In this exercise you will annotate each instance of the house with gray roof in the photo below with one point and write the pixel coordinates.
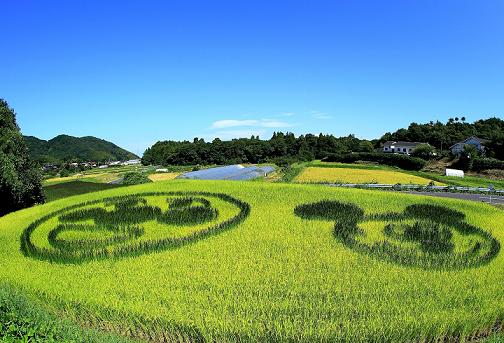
(401, 147)
(458, 148)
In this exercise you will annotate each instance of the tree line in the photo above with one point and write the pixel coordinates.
(283, 148)
(442, 136)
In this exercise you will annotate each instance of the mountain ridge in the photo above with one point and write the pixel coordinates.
(66, 148)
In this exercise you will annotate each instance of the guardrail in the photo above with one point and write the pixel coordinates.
(425, 188)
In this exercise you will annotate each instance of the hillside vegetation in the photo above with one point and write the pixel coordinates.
(64, 148)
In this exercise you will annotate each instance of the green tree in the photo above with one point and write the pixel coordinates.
(424, 151)
(135, 178)
(365, 146)
(495, 148)
(467, 157)
(20, 184)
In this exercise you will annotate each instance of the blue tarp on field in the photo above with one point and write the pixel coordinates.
(233, 172)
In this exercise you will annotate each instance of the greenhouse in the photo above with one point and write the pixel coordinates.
(232, 172)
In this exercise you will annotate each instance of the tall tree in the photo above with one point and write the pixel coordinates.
(20, 184)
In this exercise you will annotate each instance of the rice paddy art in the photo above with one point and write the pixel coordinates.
(423, 235)
(115, 227)
(230, 261)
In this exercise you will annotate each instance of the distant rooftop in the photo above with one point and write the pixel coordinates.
(402, 143)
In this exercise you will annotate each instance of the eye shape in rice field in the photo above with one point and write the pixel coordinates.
(130, 225)
(426, 236)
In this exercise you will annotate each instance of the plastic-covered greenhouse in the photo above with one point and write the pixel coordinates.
(233, 172)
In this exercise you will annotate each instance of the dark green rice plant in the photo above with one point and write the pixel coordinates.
(120, 235)
(190, 208)
(188, 211)
(431, 232)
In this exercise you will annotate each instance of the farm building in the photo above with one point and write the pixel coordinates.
(401, 147)
(132, 162)
(232, 172)
(457, 148)
(454, 172)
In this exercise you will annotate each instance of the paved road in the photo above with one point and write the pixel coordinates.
(464, 196)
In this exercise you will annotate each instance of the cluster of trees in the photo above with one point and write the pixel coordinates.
(282, 148)
(472, 159)
(135, 178)
(442, 136)
(20, 180)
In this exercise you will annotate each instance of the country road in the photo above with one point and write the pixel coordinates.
(464, 196)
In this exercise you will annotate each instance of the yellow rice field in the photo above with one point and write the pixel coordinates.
(99, 178)
(350, 175)
(163, 176)
(63, 179)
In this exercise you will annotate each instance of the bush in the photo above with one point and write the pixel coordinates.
(467, 157)
(425, 151)
(135, 178)
(395, 160)
(487, 163)
(64, 172)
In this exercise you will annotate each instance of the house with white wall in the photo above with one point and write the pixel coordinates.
(401, 147)
(458, 148)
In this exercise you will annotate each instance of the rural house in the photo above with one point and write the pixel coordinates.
(401, 147)
(457, 148)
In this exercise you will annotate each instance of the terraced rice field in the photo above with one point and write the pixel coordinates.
(357, 175)
(240, 261)
(163, 176)
(65, 189)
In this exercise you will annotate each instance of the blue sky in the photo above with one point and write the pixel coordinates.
(135, 72)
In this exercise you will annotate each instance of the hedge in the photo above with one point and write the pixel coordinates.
(487, 163)
(395, 160)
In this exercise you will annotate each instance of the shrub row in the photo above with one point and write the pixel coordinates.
(487, 163)
(395, 160)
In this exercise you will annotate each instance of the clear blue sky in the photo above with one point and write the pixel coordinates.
(135, 72)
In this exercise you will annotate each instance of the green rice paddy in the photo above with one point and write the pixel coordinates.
(234, 261)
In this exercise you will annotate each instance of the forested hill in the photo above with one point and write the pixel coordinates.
(64, 148)
(445, 135)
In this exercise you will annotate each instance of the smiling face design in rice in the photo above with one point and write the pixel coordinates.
(426, 236)
(130, 225)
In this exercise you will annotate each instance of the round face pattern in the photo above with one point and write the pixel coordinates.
(423, 235)
(130, 225)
